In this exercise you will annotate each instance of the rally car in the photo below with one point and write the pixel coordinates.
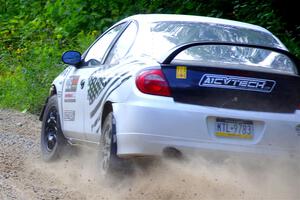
(154, 84)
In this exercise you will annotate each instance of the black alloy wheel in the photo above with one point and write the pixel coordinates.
(52, 138)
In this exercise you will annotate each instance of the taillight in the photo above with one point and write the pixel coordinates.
(153, 82)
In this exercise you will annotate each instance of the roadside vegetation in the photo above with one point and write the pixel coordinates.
(34, 34)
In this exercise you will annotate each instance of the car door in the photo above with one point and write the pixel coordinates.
(76, 87)
(102, 81)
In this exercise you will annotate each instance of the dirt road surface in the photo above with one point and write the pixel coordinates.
(23, 174)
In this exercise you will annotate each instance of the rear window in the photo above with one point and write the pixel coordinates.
(237, 57)
(169, 34)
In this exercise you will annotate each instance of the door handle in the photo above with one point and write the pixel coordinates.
(82, 82)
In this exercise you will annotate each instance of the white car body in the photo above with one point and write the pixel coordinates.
(149, 124)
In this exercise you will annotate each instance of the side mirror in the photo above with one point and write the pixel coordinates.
(71, 57)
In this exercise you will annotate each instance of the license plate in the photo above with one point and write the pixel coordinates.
(233, 128)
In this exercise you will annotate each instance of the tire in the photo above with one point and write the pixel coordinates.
(52, 138)
(109, 162)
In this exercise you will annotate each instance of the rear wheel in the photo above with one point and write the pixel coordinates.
(109, 161)
(52, 138)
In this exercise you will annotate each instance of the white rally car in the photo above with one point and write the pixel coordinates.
(153, 84)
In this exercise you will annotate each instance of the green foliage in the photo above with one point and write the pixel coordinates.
(34, 34)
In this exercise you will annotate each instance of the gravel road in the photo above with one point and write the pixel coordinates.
(23, 175)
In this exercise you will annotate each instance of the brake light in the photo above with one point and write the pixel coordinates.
(153, 82)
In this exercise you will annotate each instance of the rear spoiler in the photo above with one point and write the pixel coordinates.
(176, 50)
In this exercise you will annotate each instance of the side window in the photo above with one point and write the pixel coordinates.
(97, 51)
(123, 45)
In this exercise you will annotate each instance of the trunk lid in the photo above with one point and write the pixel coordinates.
(233, 88)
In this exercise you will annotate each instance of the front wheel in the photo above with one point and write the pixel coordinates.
(109, 161)
(52, 138)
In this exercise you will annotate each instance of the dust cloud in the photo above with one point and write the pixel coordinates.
(205, 176)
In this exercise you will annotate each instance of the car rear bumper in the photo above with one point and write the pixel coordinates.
(136, 144)
(149, 126)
